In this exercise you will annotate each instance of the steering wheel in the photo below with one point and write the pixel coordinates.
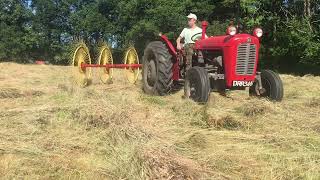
(196, 37)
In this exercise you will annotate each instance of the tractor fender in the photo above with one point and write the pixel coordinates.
(173, 52)
(170, 46)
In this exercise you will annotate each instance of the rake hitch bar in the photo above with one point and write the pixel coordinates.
(109, 66)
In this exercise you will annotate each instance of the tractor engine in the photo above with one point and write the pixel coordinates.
(234, 59)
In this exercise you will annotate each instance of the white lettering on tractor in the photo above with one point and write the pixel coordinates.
(242, 83)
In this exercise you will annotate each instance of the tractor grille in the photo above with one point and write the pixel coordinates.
(246, 59)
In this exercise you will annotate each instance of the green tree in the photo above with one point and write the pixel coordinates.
(16, 36)
(95, 20)
(46, 28)
(51, 24)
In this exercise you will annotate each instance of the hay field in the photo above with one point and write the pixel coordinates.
(50, 129)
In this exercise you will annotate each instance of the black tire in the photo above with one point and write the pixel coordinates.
(272, 84)
(197, 85)
(157, 69)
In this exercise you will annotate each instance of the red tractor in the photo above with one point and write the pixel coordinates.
(220, 63)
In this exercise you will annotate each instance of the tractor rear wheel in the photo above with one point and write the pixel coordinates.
(271, 84)
(197, 85)
(157, 69)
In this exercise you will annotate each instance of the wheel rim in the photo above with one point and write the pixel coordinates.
(193, 89)
(267, 86)
(105, 57)
(190, 89)
(151, 73)
(131, 57)
(81, 56)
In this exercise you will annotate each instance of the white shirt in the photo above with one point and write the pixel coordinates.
(187, 34)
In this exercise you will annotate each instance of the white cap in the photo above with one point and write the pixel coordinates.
(192, 16)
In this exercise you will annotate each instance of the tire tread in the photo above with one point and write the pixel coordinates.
(164, 68)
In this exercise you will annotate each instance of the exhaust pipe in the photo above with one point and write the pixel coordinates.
(204, 29)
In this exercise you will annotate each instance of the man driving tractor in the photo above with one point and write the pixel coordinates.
(187, 34)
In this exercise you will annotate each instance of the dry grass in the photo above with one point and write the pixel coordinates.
(51, 129)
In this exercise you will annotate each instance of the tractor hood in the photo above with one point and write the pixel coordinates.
(220, 42)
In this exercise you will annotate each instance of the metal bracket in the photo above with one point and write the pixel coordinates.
(259, 88)
(216, 76)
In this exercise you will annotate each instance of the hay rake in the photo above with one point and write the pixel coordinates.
(82, 64)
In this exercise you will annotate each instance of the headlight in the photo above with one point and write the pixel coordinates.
(258, 32)
(232, 30)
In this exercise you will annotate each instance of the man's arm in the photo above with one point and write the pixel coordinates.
(179, 46)
(179, 43)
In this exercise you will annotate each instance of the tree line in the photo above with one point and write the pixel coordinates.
(44, 29)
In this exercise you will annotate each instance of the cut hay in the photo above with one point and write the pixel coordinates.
(52, 129)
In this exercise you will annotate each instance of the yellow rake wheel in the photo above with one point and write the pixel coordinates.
(105, 57)
(131, 57)
(82, 77)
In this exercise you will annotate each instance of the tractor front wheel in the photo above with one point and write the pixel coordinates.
(157, 69)
(197, 85)
(272, 86)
